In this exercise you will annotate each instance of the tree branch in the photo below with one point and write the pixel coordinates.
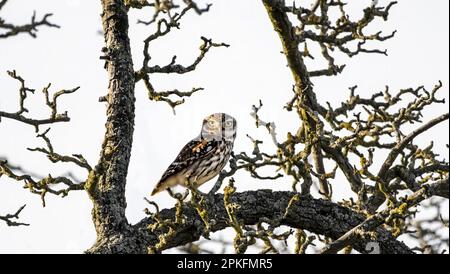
(440, 188)
(401, 145)
(31, 28)
(55, 117)
(8, 218)
(164, 26)
(54, 157)
(379, 197)
(41, 186)
(315, 215)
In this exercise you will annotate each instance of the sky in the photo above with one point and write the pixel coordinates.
(234, 79)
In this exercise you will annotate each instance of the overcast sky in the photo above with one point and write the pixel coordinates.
(234, 79)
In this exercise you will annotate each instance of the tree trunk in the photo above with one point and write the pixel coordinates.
(106, 184)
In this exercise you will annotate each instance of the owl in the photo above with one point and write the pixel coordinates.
(203, 157)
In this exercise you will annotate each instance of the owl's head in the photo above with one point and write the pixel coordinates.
(219, 126)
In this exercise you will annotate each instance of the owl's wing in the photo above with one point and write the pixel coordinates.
(195, 150)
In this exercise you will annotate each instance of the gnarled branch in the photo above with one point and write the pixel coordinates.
(55, 117)
(315, 215)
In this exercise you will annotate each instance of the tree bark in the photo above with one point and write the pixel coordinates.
(316, 215)
(106, 184)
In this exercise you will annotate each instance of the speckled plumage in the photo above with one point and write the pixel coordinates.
(204, 157)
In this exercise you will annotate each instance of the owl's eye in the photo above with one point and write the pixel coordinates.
(229, 123)
(211, 123)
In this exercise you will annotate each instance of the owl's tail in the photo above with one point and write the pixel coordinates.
(158, 188)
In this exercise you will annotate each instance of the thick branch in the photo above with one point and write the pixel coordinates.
(315, 215)
(285, 31)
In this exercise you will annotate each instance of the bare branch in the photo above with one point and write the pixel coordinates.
(41, 186)
(163, 26)
(401, 145)
(379, 197)
(55, 117)
(9, 30)
(165, 95)
(54, 157)
(180, 69)
(8, 218)
(440, 188)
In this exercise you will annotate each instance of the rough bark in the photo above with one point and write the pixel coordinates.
(106, 184)
(316, 215)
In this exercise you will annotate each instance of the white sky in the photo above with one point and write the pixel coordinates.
(234, 79)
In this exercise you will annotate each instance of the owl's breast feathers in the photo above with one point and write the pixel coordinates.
(193, 151)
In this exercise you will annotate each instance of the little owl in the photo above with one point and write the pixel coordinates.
(204, 157)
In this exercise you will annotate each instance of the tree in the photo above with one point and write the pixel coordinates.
(325, 140)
